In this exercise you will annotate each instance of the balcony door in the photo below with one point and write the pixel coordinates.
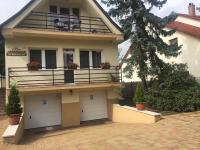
(68, 59)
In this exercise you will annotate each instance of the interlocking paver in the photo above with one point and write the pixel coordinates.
(176, 132)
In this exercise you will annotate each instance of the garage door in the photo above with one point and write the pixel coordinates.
(42, 110)
(93, 105)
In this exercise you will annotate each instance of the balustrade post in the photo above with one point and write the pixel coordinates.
(89, 74)
(53, 75)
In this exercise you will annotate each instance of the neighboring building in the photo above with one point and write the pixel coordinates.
(56, 33)
(188, 35)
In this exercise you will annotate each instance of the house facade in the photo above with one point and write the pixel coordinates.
(55, 35)
(188, 35)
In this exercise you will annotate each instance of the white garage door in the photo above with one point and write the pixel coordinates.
(93, 105)
(42, 110)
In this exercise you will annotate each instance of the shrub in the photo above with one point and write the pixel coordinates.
(139, 94)
(174, 90)
(13, 106)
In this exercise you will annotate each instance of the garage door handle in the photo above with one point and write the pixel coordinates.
(82, 110)
(30, 117)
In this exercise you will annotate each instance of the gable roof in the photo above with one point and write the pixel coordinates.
(185, 28)
(107, 15)
(32, 1)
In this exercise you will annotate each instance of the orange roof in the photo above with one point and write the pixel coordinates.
(179, 26)
(189, 16)
(185, 28)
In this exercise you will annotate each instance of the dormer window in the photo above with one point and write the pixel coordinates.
(53, 9)
(76, 12)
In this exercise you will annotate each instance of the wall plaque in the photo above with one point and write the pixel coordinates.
(16, 52)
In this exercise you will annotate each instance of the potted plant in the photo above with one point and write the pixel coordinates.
(139, 98)
(13, 107)
(33, 66)
(113, 78)
(105, 65)
(72, 66)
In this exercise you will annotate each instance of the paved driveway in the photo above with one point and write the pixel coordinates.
(180, 131)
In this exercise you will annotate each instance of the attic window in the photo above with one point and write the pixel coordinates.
(53, 9)
(173, 41)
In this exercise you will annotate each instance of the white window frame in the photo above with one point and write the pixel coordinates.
(90, 56)
(43, 58)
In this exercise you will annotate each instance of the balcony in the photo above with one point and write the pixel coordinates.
(64, 23)
(61, 77)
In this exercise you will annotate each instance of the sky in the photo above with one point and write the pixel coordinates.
(10, 7)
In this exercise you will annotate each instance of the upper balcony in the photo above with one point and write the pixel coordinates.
(64, 23)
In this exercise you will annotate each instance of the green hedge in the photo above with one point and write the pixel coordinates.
(175, 90)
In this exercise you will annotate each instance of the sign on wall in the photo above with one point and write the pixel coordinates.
(16, 52)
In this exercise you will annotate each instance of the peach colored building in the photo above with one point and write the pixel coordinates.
(55, 34)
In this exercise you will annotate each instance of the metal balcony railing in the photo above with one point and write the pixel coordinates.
(61, 76)
(64, 23)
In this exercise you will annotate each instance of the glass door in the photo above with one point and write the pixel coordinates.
(68, 59)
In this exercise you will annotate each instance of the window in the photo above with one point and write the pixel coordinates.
(90, 58)
(53, 9)
(64, 11)
(36, 55)
(84, 59)
(76, 12)
(50, 59)
(173, 42)
(47, 58)
(96, 59)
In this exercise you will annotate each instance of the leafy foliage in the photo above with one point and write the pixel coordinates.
(139, 94)
(174, 90)
(13, 106)
(145, 31)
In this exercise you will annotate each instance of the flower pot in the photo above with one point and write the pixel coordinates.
(140, 105)
(33, 68)
(71, 66)
(14, 119)
(105, 65)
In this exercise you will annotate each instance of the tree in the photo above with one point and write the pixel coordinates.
(145, 31)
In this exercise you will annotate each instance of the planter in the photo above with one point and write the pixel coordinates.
(33, 68)
(114, 79)
(105, 65)
(140, 105)
(71, 66)
(14, 119)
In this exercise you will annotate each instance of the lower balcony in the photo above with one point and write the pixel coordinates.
(62, 78)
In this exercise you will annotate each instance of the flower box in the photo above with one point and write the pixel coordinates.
(33, 66)
(72, 66)
(105, 65)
